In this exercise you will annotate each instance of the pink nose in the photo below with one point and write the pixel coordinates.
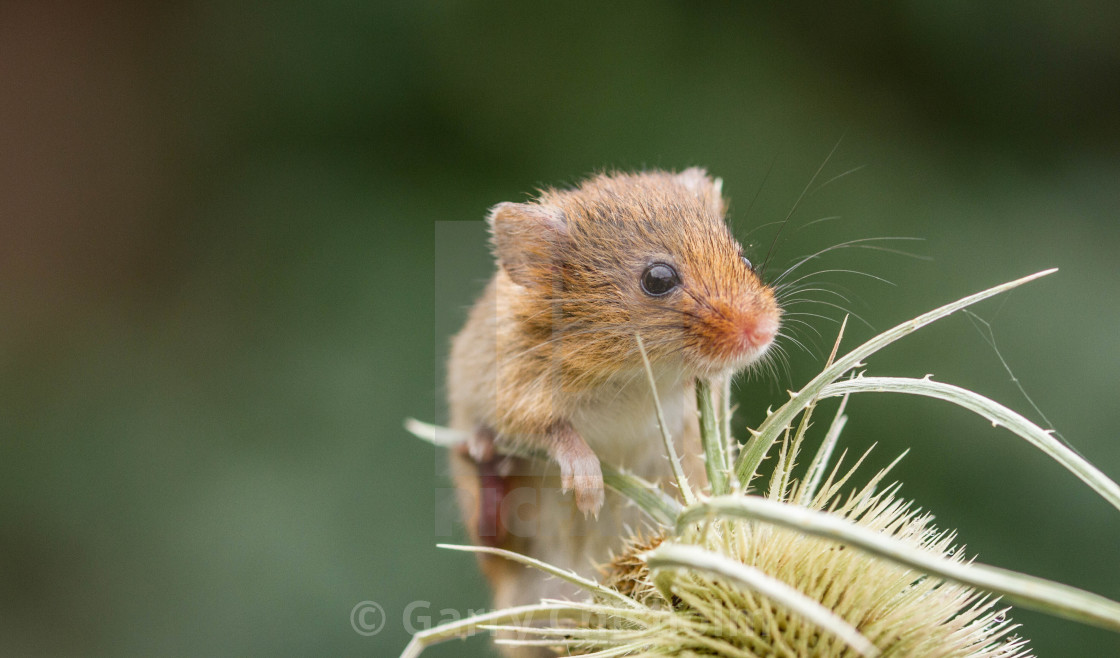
(760, 332)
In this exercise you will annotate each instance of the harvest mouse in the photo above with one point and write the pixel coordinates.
(548, 360)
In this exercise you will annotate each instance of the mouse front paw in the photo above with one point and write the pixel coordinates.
(585, 478)
(580, 471)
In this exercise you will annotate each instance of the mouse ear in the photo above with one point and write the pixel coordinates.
(710, 191)
(527, 239)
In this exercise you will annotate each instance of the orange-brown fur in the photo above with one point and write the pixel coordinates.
(548, 358)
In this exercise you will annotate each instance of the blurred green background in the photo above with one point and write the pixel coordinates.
(235, 239)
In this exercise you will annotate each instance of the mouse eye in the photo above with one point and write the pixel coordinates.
(659, 279)
(748, 264)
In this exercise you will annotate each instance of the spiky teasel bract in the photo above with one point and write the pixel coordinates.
(627, 572)
(903, 613)
(806, 570)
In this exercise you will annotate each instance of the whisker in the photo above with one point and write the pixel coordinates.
(768, 367)
(757, 192)
(842, 271)
(775, 362)
(837, 177)
(857, 243)
(797, 343)
(899, 252)
(844, 292)
(770, 252)
(762, 226)
(763, 368)
(811, 315)
(807, 325)
(801, 335)
(818, 221)
(836, 306)
(784, 290)
(802, 290)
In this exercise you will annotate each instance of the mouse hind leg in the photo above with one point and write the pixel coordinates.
(499, 497)
(484, 479)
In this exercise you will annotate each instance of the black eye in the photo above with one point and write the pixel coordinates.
(659, 279)
(748, 264)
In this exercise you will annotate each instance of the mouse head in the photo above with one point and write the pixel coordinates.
(645, 253)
